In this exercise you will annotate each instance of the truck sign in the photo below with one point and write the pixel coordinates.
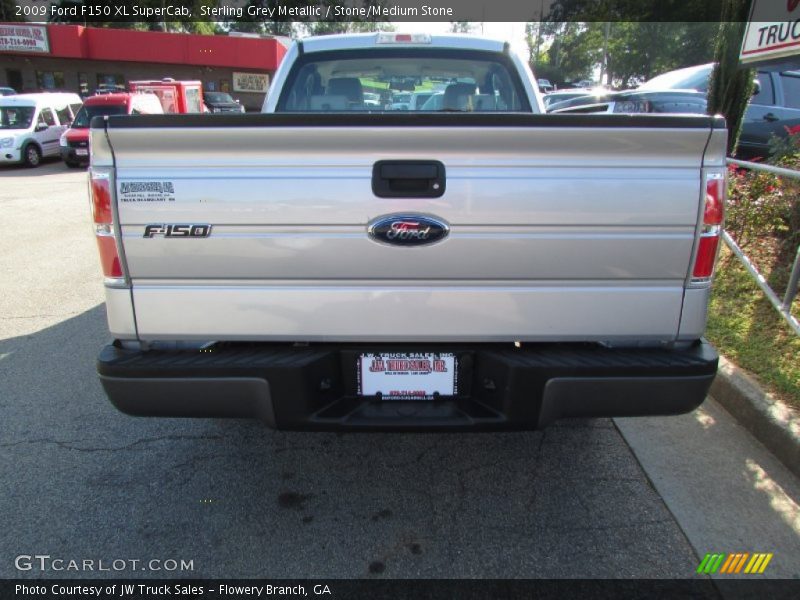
(24, 38)
(773, 31)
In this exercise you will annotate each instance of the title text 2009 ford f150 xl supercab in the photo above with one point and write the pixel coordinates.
(473, 264)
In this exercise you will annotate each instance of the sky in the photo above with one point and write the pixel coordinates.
(513, 32)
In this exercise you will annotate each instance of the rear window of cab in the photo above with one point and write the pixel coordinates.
(385, 80)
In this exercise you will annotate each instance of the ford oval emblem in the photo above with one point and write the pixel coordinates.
(408, 230)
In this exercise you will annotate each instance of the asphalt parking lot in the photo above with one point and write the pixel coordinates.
(84, 482)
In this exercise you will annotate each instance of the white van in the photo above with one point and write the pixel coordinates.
(31, 125)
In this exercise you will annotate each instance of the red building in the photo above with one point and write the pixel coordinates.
(83, 59)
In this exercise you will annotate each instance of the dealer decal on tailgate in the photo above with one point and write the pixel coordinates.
(147, 191)
(407, 376)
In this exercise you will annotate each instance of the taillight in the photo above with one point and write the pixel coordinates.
(706, 256)
(101, 199)
(103, 216)
(109, 258)
(714, 211)
(713, 216)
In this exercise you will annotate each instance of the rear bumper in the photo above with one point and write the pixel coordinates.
(499, 386)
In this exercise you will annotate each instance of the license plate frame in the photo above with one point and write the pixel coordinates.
(392, 376)
(81, 152)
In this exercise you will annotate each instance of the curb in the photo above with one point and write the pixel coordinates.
(769, 420)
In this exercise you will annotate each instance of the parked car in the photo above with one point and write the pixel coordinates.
(222, 102)
(634, 101)
(7, 91)
(545, 86)
(418, 100)
(108, 88)
(31, 125)
(175, 96)
(435, 102)
(566, 94)
(689, 78)
(401, 101)
(74, 142)
(774, 107)
(372, 100)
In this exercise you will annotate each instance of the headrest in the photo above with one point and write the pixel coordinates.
(346, 86)
(454, 94)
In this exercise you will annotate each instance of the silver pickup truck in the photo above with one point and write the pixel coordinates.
(473, 264)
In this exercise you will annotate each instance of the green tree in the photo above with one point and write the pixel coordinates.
(696, 45)
(533, 39)
(641, 38)
(572, 51)
(653, 11)
(580, 50)
(634, 51)
(279, 26)
(637, 51)
(8, 11)
(357, 26)
(730, 87)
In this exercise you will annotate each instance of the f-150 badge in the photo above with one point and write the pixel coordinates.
(183, 230)
(408, 230)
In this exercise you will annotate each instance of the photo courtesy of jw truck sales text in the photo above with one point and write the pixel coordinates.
(143, 590)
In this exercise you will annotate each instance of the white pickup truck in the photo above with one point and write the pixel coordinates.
(332, 264)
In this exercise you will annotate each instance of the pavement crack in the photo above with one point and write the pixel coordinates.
(39, 441)
(165, 438)
(69, 444)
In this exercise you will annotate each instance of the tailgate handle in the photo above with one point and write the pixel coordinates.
(408, 179)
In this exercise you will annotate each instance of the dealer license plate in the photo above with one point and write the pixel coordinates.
(81, 152)
(407, 376)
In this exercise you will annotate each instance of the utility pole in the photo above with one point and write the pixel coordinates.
(604, 66)
(539, 32)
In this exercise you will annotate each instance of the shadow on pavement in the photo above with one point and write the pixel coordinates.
(48, 166)
(240, 500)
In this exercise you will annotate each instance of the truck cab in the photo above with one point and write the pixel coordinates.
(175, 96)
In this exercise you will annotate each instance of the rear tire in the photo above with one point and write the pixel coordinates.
(31, 156)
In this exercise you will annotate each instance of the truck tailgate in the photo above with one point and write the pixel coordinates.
(561, 227)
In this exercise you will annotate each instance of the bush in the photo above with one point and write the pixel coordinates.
(765, 208)
(763, 216)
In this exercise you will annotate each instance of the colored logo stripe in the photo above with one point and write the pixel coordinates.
(731, 564)
(758, 563)
(710, 563)
(740, 563)
(731, 559)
